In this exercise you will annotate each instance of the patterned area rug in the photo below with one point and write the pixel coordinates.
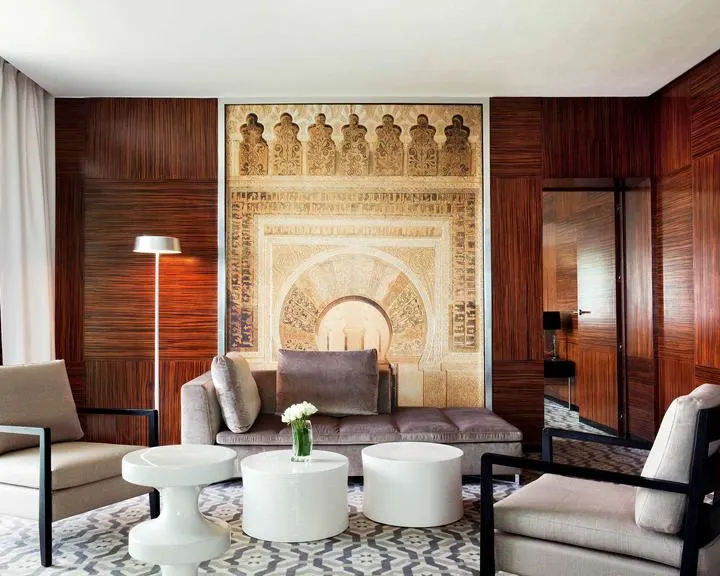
(96, 542)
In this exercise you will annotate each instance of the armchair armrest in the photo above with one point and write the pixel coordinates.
(45, 482)
(150, 413)
(550, 433)
(487, 518)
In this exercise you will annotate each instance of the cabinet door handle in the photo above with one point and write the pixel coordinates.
(580, 312)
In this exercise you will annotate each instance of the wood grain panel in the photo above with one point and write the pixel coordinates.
(70, 136)
(119, 284)
(597, 137)
(595, 224)
(516, 206)
(596, 370)
(676, 377)
(118, 383)
(69, 263)
(575, 137)
(630, 137)
(675, 286)
(671, 107)
(516, 137)
(706, 196)
(705, 107)
(152, 139)
(128, 383)
(127, 167)
(518, 396)
(173, 374)
(642, 406)
(596, 385)
(706, 374)
(638, 271)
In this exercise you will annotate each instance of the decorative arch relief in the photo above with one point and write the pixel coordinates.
(355, 226)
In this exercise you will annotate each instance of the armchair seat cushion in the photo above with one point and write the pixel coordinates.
(594, 515)
(73, 464)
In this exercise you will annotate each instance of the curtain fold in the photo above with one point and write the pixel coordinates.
(27, 219)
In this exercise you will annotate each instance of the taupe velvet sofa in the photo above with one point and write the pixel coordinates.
(473, 430)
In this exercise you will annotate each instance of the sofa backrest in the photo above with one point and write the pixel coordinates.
(266, 381)
(201, 418)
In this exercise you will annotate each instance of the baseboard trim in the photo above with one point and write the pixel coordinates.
(603, 427)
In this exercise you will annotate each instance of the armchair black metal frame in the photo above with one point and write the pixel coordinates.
(702, 521)
(45, 485)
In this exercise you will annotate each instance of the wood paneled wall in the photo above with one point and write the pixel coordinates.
(532, 139)
(127, 167)
(686, 212)
(642, 408)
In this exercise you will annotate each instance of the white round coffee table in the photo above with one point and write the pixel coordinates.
(412, 484)
(286, 501)
(181, 537)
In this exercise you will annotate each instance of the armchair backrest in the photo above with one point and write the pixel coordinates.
(672, 458)
(37, 395)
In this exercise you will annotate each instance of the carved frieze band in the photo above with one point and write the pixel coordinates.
(352, 155)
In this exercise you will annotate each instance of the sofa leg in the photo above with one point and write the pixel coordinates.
(154, 504)
(45, 525)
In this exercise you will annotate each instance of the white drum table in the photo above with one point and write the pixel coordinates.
(412, 484)
(181, 537)
(286, 501)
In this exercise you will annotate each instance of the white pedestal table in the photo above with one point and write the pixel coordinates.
(181, 537)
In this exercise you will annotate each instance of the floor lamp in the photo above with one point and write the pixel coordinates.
(157, 245)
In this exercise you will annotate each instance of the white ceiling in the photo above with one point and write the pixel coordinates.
(365, 49)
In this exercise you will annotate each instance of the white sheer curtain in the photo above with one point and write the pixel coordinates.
(27, 219)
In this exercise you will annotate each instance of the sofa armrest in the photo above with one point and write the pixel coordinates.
(200, 417)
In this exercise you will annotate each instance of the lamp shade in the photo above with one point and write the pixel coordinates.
(551, 321)
(157, 245)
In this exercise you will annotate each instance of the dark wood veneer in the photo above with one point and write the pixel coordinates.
(127, 167)
(706, 199)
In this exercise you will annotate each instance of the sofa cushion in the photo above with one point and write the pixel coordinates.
(72, 464)
(237, 391)
(337, 383)
(595, 515)
(481, 424)
(37, 395)
(670, 458)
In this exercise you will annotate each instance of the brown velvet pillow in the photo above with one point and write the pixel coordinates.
(337, 383)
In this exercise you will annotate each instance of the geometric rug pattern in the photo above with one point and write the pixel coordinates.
(95, 543)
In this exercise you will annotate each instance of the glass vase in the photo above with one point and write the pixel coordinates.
(302, 441)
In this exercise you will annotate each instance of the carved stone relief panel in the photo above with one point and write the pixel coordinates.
(373, 203)
(253, 152)
(389, 154)
(287, 149)
(320, 149)
(455, 156)
(354, 151)
(423, 150)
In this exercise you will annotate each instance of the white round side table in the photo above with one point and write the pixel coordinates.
(412, 484)
(181, 537)
(286, 501)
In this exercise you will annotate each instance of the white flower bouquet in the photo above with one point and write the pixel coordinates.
(297, 417)
(298, 412)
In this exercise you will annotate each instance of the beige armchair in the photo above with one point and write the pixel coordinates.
(589, 522)
(46, 473)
